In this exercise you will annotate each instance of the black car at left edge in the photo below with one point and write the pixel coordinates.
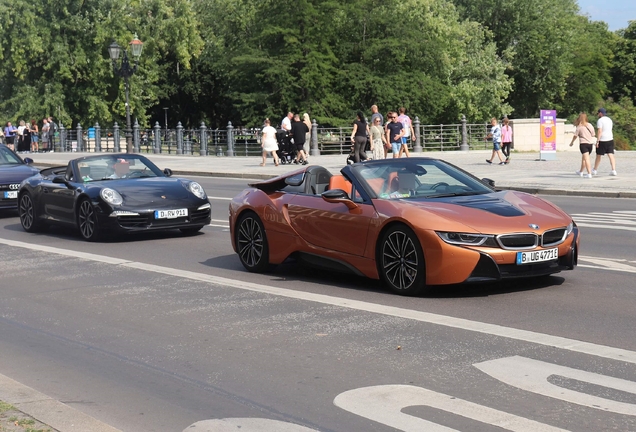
(112, 193)
(13, 170)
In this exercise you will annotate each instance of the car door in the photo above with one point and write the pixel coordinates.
(59, 198)
(331, 226)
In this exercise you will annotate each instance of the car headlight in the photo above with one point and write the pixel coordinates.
(466, 239)
(196, 189)
(111, 196)
(569, 229)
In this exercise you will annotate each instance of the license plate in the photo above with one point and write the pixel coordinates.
(537, 256)
(170, 214)
(11, 194)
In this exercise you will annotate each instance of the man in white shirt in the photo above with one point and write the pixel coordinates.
(605, 141)
(286, 123)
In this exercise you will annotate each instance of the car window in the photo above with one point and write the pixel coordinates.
(404, 178)
(116, 167)
(7, 157)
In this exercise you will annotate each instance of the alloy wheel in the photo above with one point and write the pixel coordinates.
(86, 220)
(400, 260)
(27, 215)
(250, 241)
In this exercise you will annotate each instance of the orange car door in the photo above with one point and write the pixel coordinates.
(331, 225)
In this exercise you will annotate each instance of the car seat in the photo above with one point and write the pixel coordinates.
(339, 182)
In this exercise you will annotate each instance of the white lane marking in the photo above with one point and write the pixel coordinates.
(443, 320)
(384, 404)
(620, 265)
(219, 226)
(612, 227)
(220, 198)
(532, 375)
(246, 425)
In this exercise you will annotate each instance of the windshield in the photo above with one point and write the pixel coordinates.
(116, 167)
(418, 178)
(7, 157)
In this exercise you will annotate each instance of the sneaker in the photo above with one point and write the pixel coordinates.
(507, 161)
(587, 175)
(594, 172)
(578, 173)
(502, 163)
(489, 161)
(613, 173)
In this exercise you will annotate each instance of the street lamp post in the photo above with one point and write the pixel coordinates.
(165, 110)
(125, 70)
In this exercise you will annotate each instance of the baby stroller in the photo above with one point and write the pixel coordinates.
(286, 151)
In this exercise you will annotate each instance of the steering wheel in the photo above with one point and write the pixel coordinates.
(438, 184)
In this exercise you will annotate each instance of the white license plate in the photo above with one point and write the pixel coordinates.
(170, 214)
(11, 194)
(537, 256)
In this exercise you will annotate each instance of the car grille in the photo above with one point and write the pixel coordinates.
(520, 241)
(133, 221)
(200, 215)
(553, 237)
(12, 186)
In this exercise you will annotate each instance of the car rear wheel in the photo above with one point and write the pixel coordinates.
(28, 215)
(401, 261)
(251, 243)
(87, 221)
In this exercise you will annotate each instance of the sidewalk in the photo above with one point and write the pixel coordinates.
(525, 172)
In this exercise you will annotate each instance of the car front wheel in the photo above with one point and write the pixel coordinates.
(251, 242)
(28, 215)
(401, 261)
(87, 221)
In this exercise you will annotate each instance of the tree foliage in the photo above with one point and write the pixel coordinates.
(243, 60)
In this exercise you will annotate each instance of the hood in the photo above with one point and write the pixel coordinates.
(16, 173)
(508, 211)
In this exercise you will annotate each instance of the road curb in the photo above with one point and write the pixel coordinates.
(49, 411)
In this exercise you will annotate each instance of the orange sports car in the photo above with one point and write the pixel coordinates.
(412, 222)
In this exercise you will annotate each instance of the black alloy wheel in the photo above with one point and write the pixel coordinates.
(251, 243)
(87, 221)
(401, 261)
(28, 216)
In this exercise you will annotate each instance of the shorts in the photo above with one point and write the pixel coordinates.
(405, 140)
(395, 147)
(605, 147)
(34, 139)
(300, 146)
(496, 146)
(586, 148)
(10, 139)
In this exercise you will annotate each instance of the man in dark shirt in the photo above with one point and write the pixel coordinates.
(298, 131)
(394, 133)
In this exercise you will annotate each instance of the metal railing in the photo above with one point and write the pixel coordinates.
(247, 141)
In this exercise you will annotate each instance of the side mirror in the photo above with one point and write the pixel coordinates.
(167, 172)
(59, 179)
(336, 196)
(28, 161)
(488, 182)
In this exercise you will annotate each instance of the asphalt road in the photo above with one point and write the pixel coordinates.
(163, 332)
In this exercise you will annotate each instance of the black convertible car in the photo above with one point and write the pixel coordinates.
(13, 169)
(112, 193)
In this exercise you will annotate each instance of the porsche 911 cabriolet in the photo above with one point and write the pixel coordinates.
(13, 169)
(115, 193)
(412, 222)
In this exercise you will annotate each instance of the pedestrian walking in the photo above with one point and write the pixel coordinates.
(359, 136)
(52, 133)
(585, 133)
(269, 143)
(376, 114)
(286, 123)
(298, 133)
(378, 139)
(605, 143)
(495, 134)
(394, 133)
(506, 139)
(409, 132)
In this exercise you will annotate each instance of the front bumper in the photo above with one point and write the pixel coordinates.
(139, 221)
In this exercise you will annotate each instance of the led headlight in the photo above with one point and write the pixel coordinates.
(464, 239)
(111, 196)
(569, 229)
(196, 189)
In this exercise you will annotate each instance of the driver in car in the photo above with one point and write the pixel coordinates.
(120, 168)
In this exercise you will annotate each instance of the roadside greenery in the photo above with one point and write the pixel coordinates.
(241, 60)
